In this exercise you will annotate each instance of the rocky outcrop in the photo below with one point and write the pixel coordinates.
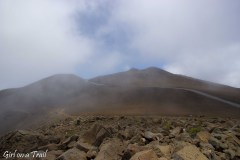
(23, 141)
(132, 138)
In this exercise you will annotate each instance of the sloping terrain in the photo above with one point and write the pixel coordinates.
(129, 138)
(29, 105)
(141, 92)
(155, 77)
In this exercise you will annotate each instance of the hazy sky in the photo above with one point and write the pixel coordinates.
(39, 38)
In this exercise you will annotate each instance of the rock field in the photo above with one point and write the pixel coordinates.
(130, 138)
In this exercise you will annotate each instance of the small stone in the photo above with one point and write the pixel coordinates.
(206, 145)
(127, 134)
(92, 153)
(151, 136)
(230, 152)
(163, 132)
(148, 135)
(132, 149)
(214, 142)
(185, 137)
(157, 120)
(203, 136)
(235, 138)
(223, 145)
(78, 121)
(143, 140)
(221, 155)
(208, 153)
(54, 139)
(72, 144)
(176, 131)
(165, 150)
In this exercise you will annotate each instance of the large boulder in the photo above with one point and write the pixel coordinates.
(111, 149)
(190, 152)
(66, 142)
(166, 150)
(133, 149)
(96, 135)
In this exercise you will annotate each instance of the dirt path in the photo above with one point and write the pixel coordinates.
(212, 97)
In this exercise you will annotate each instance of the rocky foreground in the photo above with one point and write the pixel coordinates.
(128, 138)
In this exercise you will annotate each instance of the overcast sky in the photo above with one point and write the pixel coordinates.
(39, 38)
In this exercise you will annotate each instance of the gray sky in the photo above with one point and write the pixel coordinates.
(90, 38)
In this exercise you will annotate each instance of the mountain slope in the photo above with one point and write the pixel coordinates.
(148, 91)
(33, 102)
(155, 77)
(151, 100)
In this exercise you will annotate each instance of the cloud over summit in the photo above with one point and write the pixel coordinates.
(88, 38)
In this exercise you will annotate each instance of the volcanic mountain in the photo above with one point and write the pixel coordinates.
(138, 92)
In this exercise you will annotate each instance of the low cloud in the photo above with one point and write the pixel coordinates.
(89, 38)
(41, 38)
(199, 39)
